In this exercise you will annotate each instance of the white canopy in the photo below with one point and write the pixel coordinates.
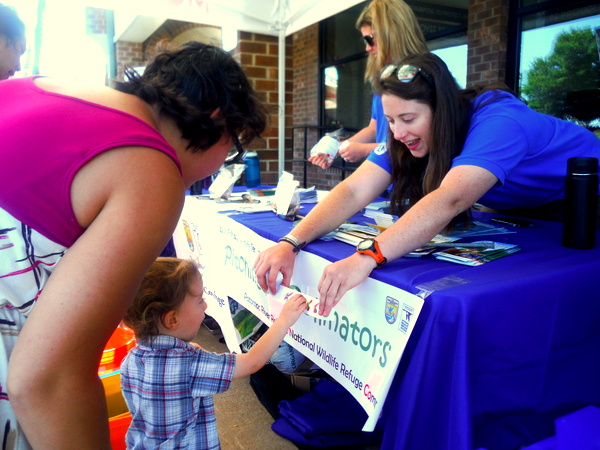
(258, 16)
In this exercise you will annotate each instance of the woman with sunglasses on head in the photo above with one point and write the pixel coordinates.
(92, 183)
(390, 31)
(447, 149)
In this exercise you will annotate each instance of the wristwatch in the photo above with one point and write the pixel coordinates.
(371, 247)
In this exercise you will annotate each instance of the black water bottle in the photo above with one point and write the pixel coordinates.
(581, 203)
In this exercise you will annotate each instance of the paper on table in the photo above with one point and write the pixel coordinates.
(284, 192)
(476, 257)
(222, 186)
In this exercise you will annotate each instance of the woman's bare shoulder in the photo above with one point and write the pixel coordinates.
(98, 94)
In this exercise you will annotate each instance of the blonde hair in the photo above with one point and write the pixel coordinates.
(397, 32)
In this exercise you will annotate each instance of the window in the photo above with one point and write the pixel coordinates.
(346, 97)
(445, 27)
(557, 58)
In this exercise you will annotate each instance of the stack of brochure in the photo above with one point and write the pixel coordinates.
(381, 207)
(463, 254)
(352, 233)
(469, 253)
(308, 195)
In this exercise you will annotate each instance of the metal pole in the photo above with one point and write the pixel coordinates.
(281, 28)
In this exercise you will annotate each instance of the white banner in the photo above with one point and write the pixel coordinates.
(361, 342)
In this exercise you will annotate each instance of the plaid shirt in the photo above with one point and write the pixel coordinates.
(169, 385)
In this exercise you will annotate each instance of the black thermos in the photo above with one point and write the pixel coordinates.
(581, 203)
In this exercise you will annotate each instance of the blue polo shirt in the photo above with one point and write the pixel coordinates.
(526, 150)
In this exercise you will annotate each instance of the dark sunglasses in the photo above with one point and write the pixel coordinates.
(405, 73)
(237, 151)
(369, 39)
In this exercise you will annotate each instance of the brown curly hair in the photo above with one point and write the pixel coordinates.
(191, 82)
(163, 289)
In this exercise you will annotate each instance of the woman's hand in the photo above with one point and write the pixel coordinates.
(271, 261)
(355, 151)
(321, 160)
(341, 276)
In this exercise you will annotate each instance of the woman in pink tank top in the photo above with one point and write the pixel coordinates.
(92, 183)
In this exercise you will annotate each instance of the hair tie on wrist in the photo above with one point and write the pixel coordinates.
(293, 241)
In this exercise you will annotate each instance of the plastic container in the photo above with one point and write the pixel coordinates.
(118, 427)
(252, 170)
(117, 347)
(581, 203)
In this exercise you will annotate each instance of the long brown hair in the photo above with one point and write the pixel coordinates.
(416, 177)
(397, 32)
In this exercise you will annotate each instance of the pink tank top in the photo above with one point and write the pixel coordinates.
(45, 138)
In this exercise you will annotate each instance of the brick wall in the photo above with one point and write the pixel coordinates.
(486, 39)
(306, 109)
(128, 54)
(259, 55)
(96, 28)
(95, 20)
(166, 33)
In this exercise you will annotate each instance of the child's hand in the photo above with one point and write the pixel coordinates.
(293, 309)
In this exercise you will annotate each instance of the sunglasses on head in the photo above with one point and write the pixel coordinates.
(369, 39)
(405, 73)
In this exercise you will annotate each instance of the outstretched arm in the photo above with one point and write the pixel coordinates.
(359, 147)
(461, 187)
(347, 198)
(361, 143)
(53, 379)
(259, 353)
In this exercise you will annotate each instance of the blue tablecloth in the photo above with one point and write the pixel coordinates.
(492, 362)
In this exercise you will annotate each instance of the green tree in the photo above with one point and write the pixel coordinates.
(572, 66)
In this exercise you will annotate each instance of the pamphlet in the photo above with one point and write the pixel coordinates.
(262, 192)
(476, 256)
(352, 233)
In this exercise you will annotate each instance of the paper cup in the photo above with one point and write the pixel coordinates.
(327, 146)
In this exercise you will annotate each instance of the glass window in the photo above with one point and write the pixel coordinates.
(346, 96)
(455, 58)
(445, 29)
(342, 39)
(559, 63)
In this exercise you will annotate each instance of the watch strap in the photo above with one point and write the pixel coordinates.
(375, 253)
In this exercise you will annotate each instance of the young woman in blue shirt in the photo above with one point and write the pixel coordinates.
(448, 149)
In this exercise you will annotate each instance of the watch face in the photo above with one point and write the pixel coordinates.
(365, 244)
